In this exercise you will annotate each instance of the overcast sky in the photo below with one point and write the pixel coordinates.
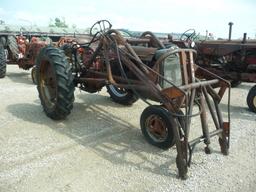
(154, 15)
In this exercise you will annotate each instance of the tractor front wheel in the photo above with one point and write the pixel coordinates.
(55, 83)
(121, 96)
(251, 99)
(157, 126)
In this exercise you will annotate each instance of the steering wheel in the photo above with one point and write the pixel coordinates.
(100, 27)
(188, 35)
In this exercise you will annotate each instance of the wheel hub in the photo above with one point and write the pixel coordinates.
(118, 91)
(156, 128)
(48, 85)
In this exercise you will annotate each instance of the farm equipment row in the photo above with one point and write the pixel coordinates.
(234, 60)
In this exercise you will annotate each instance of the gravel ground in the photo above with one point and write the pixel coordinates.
(99, 147)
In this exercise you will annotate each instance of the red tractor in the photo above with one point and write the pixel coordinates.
(137, 68)
(23, 52)
(19, 50)
(234, 60)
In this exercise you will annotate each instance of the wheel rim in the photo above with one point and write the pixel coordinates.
(48, 84)
(118, 91)
(254, 101)
(156, 128)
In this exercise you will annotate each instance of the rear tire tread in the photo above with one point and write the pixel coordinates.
(2, 62)
(13, 46)
(64, 79)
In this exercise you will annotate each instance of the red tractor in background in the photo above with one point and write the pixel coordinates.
(23, 51)
(20, 50)
(234, 60)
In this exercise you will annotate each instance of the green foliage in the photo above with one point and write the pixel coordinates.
(58, 23)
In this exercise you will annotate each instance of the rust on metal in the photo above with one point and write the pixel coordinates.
(145, 67)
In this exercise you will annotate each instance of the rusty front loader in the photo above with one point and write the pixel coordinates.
(138, 68)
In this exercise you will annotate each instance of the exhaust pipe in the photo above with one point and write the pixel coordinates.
(230, 30)
(244, 38)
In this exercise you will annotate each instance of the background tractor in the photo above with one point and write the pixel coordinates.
(21, 48)
(234, 60)
(21, 51)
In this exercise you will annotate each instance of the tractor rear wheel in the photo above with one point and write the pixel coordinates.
(55, 83)
(251, 99)
(121, 96)
(3, 41)
(2, 62)
(13, 46)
